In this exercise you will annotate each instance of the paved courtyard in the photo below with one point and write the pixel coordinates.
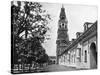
(52, 68)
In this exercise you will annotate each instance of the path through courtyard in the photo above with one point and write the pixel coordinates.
(52, 68)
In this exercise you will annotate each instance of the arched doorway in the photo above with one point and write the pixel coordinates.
(93, 55)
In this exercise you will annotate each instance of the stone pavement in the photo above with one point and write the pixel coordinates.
(55, 67)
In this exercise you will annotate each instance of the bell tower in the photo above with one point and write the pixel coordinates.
(62, 35)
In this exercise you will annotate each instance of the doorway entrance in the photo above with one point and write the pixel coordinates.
(93, 56)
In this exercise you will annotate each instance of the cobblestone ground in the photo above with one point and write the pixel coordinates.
(52, 68)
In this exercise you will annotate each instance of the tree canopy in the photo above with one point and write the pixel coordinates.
(28, 29)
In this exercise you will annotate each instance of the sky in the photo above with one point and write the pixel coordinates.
(76, 15)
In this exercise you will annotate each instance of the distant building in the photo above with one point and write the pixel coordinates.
(52, 59)
(80, 52)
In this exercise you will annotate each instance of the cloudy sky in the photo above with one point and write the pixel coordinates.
(76, 16)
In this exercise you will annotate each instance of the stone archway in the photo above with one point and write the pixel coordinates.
(93, 56)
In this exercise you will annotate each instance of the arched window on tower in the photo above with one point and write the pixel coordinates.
(63, 25)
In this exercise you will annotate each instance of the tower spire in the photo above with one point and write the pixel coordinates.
(62, 13)
(62, 6)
